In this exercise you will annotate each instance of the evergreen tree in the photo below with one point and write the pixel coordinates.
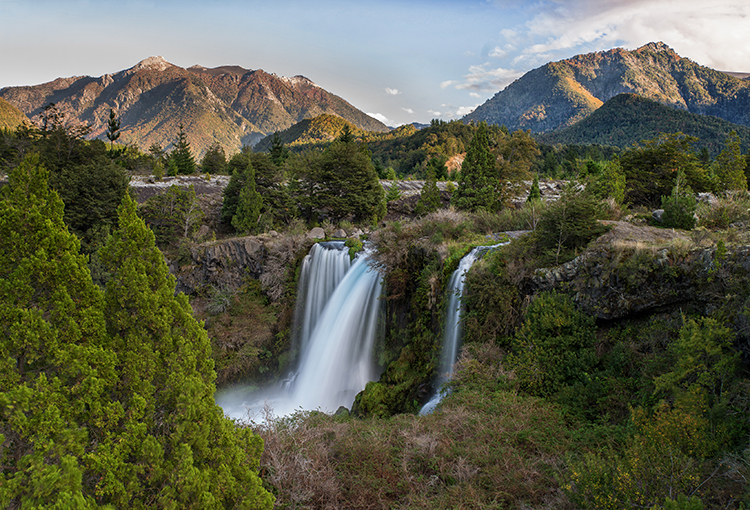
(113, 128)
(174, 448)
(56, 373)
(268, 183)
(278, 152)
(91, 192)
(429, 198)
(249, 203)
(568, 224)
(215, 160)
(340, 183)
(730, 166)
(393, 192)
(478, 179)
(182, 156)
(679, 207)
(535, 193)
(651, 167)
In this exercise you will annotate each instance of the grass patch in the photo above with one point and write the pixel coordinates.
(480, 449)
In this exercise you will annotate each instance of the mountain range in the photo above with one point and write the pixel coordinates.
(561, 93)
(228, 105)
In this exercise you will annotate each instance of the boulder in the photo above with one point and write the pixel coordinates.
(316, 233)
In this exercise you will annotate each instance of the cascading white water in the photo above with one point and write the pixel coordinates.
(321, 272)
(337, 362)
(339, 327)
(453, 324)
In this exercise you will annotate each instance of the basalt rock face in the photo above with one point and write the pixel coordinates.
(223, 264)
(615, 281)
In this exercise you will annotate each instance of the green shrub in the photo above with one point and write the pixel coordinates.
(568, 224)
(679, 207)
(554, 346)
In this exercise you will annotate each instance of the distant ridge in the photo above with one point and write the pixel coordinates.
(561, 93)
(628, 118)
(321, 129)
(228, 105)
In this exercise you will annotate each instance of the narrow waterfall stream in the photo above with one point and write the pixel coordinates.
(453, 324)
(337, 323)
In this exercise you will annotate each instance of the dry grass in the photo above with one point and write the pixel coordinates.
(483, 448)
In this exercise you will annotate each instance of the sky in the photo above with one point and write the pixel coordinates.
(399, 61)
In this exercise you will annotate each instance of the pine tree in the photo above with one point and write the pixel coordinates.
(249, 203)
(730, 166)
(478, 180)
(55, 370)
(393, 192)
(341, 182)
(278, 152)
(113, 128)
(215, 160)
(182, 156)
(535, 193)
(429, 198)
(174, 447)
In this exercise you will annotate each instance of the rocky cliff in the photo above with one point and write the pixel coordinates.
(636, 270)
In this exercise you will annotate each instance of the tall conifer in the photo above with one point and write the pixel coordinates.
(477, 181)
(182, 155)
(429, 198)
(249, 203)
(55, 368)
(176, 449)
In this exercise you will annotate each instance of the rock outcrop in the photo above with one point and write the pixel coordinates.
(620, 277)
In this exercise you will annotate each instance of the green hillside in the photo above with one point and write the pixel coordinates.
(628, 118)
(10, 116)
(311, 132)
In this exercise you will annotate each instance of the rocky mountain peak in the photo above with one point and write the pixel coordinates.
(152, 64)
(657, 47)
(298, 80)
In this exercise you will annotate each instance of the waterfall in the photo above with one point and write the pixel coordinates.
(321, 272)
(453, 325)
(337, 322)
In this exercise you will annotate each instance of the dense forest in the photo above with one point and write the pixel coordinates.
(605, 350)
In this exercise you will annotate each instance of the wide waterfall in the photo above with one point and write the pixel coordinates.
(337, 323)
(453, 324)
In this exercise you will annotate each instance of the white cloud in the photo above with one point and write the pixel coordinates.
(382, 118)
(408, 110)
(447, 83)
(498, 52)
(509, 33)
(474, 94)
(710, 33)
(434, 113)
(481, 79)
(465, 110)
(392, 92)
